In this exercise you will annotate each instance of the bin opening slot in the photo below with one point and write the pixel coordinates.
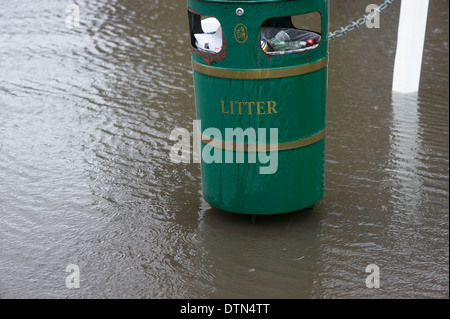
(206, 33)
(291, 34)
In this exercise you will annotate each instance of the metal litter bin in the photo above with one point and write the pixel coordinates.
(241, 88)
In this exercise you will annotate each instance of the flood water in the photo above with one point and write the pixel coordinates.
(85, 175)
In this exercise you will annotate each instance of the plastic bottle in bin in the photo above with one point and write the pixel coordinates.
(287, 40)
(288, 46)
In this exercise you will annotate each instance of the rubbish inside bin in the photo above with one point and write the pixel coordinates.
(210, 25)
(209, 41)
(277, 41)
(274, 40)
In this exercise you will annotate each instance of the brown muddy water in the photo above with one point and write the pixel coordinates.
(85, 176)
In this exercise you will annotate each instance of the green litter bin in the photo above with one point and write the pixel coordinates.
(261, 112)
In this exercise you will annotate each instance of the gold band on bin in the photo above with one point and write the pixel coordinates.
(260, 73)
(250, 147)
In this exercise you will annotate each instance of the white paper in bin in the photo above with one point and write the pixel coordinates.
(210, 25)
(211, 42)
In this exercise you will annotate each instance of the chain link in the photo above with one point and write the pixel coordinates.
(355, 25)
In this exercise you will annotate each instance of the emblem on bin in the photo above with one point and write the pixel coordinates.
(240, 33)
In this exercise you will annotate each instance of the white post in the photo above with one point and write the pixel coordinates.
(410, 45)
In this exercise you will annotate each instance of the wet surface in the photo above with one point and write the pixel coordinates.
(86, 179)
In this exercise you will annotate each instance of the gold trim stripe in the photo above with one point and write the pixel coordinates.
(246, 147)
(260, 73)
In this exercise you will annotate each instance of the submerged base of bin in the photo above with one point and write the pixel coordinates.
(240, 188)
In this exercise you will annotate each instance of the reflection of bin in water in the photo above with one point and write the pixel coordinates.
(241, 86)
